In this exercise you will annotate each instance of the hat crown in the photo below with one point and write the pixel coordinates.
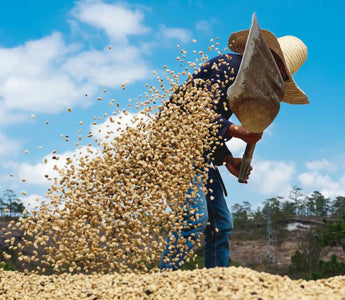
(290, 49)
(295, 52)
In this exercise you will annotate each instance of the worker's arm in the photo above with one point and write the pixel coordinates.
(240, 132)
(234, 164)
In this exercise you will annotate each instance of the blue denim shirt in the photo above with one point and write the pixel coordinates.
(221, 71)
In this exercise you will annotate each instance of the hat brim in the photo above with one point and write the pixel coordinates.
(293, 94)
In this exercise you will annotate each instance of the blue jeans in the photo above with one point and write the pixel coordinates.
(217, 231)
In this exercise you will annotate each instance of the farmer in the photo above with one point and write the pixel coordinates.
(218, 74)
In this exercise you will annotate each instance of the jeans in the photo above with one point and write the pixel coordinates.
(214, 221)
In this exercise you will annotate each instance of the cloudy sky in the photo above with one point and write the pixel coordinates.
(56, 55)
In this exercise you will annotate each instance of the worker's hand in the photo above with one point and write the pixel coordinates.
(240, 132)
(234, 164)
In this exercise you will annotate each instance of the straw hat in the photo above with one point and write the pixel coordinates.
(291, 50)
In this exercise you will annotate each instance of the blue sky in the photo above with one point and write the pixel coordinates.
(53, 53)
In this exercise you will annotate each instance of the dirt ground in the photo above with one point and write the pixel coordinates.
(254, 253)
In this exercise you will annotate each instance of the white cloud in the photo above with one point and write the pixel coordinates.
(324, 175)
(113, 67)
(31, 201)
(30, 79)
(117, 20)
(236, 147)
(50, 94)
(323, 183)
(8, 147)
(179, 34)
(307, 179)
(206, 26)
(203, 26)
(47, 75)
(35, 173)
(10, 117)
(108, 130)
(272, 178)
(323, 164)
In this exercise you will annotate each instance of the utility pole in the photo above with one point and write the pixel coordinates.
(269, 233)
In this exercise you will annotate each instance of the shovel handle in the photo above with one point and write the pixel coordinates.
(245, 164)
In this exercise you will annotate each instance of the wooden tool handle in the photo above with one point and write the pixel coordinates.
(246, 160)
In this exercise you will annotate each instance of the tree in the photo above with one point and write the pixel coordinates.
(329, 268)
(247, 207)
(277, 218)
(18, 208)
(305, 260)
(288, 209)
(334, 233)
(272, 205)
(322, 204)
(10, 201)
(2, 207)
(338, 207)
(296, 196)
(240, 215)
(318, 205)
(310, 206)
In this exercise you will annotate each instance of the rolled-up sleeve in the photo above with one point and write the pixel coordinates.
(224, 125)
(221, 150)
(219, 155)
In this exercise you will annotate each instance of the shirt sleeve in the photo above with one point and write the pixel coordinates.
(214, 72)
(222, 150)
(224, 125)
(219, 154)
